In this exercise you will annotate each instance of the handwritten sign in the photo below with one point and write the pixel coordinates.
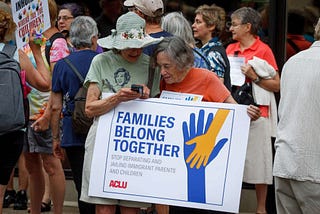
(28, 15)
(172, 152)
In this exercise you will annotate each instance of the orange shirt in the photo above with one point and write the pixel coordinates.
(258, 49)
(202, 82)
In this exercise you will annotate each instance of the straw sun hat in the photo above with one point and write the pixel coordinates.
(129, 33)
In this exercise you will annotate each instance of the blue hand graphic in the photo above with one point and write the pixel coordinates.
(200, 149)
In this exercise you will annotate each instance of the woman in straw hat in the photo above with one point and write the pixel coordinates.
(125, 46)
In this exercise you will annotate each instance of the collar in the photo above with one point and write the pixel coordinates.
(212, 42)
(253, 47)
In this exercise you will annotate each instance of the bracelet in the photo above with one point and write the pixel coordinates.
(257, 80)
(56, 137)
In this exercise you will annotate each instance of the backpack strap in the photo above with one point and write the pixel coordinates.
(75, 70)
(49, 44)
(9, 49)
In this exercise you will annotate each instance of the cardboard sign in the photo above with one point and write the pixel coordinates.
(28, 15)
(172, 152)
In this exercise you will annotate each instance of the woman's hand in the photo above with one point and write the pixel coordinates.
(96, 106)
(126, 94)
(253, 112)
(41, 124)
(58, 152)
(272, 84)
(249, 72)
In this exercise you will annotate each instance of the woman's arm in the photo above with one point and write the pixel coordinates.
(37, 78)
(96, 106)
(272, 84)
(55, 123)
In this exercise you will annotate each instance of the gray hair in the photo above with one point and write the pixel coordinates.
(82, 30)
(176, 24)
(248, 15)
(177, 50)
(317, 30)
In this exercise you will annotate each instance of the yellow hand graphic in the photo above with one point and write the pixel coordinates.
(206, 142)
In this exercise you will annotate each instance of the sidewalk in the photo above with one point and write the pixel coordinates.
(70, 201)
(66, 210)
(247, 202)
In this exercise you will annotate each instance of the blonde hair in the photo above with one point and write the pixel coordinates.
(7, 26)
(213, 15)
(53, 11)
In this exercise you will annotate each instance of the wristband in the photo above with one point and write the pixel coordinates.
(56, 137)
(257, 80)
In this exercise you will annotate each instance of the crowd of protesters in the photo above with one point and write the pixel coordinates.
(190, 57)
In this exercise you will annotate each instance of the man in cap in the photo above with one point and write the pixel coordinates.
(151, 12)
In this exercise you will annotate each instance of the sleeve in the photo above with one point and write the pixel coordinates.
(93, 73)
(269, 57)
(56, 84)
(59, 50)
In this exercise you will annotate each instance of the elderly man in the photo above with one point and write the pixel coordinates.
(296, 164)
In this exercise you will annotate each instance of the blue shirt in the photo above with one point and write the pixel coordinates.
(65, 81)
(149, 49)
(200, 60)
(214, 57)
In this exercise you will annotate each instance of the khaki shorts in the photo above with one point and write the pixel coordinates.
(39, 142)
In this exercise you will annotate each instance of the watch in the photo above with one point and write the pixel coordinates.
(257, 80)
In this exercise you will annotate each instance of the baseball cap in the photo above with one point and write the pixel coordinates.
(149, 7)
(128, 3)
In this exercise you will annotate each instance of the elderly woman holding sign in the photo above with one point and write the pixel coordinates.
(125, 44)
(175, 59)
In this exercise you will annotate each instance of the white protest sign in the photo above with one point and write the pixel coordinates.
(28, 15)
(172, 152)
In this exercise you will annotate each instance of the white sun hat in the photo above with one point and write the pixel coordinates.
(129, 33)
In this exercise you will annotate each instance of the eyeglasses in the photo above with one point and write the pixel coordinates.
(64, 18)
(234, 25)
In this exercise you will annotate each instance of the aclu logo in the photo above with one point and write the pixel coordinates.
(118, 184)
